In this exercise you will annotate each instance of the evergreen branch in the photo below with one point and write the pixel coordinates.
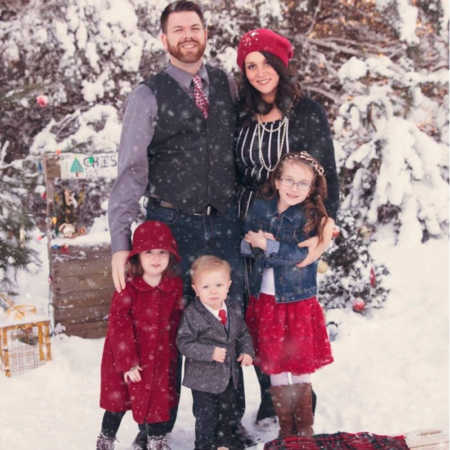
(3, 149)
(364, 44)
(66, 122)
(328, 94)
(329, 45)
(314, 18)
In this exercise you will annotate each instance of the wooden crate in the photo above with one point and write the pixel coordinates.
(82, 289)
(24, 346)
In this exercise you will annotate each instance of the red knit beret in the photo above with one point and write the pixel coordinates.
(264, 40)
(151, 235)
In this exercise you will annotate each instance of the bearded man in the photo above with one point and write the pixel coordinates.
(176, 148)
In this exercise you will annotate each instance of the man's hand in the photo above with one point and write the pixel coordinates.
(219, 354)
(132, 375)
(245, 359)
(118, 263)
(316, 248)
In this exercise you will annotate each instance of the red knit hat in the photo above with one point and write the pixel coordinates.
(264, 40)
(152, 235)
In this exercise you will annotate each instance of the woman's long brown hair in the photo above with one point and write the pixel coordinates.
(250, 99)
(316, 213)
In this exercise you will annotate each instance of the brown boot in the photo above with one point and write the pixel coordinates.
(284, 407)
(304, 418)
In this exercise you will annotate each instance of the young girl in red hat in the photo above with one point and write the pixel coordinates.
(138, 369)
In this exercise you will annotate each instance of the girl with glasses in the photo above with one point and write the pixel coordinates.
(283, 316)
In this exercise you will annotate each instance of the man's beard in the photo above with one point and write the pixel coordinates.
(187, 55)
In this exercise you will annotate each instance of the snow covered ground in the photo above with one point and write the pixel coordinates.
(390, 375)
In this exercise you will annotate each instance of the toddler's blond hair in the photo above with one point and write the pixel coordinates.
(207, 263)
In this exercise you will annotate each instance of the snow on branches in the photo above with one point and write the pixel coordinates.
(94, 130)
(395, 171)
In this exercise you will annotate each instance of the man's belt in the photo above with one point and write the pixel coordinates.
(208, 210)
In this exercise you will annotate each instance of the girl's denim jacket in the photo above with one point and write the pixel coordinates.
(291, 283)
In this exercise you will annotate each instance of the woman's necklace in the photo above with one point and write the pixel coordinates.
(282, 130)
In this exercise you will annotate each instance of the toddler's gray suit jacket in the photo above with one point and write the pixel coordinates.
(199, 333)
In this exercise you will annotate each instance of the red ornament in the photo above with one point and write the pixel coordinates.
(42, 100)
(373, 278)
(336, 232)
(358, 305)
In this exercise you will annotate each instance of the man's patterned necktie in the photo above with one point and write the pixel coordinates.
(199, 96)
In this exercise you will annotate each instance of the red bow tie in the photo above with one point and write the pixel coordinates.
(223, 316)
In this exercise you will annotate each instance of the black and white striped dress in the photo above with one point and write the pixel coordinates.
(257, 153)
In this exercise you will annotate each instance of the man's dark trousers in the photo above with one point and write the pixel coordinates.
(217, 234)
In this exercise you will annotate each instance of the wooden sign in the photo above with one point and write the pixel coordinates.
(78, 165)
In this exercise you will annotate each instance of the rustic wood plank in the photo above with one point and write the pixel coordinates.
(88, 330)
(63, 285)
(52, 168)
(84, 298)
(82, 266)
(80, 251)
(427, 439)
(81, 314)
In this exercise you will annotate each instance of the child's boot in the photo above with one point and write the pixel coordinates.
(284, 408)
(140, 441)
(157, 443)
(105, 442)
(304, 417)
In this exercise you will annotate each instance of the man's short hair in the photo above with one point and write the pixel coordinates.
(207, 263)
(180, 5)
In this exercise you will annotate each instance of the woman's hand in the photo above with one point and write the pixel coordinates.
(132, 375)
(316, 248)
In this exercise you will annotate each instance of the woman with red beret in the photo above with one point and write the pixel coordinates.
(275, 120)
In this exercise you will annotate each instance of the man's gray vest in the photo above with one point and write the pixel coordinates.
(191, 160)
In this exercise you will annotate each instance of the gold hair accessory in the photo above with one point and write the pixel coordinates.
(305, 156)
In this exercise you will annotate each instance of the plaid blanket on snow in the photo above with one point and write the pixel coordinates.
(339, 441)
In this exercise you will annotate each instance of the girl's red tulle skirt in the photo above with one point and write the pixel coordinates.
(288, 337)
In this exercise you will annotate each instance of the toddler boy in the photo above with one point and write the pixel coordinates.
(214, 339)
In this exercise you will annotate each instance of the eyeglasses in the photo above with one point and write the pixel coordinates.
(290, 183)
